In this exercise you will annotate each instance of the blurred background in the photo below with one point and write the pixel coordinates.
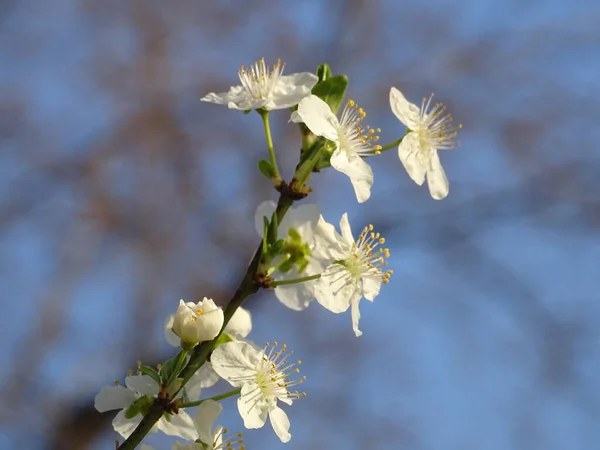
(122, 193)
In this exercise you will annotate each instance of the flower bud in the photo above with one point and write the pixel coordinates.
(197, 322)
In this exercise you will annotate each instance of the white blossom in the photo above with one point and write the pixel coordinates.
(239, 325)
(357, 268)
(430, 131)
(140, 390)
(352, 140)
(211, 438)
(303, 219)
(265, 87)
(263, 377)
(197, 322)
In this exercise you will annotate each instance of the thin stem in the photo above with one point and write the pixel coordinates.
(295, 280)
(391, 144)
(265, 117)
(215, 398)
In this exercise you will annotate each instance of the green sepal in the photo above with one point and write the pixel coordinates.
(278, 246)
(171, 368)
(152, 373)
(272, 231)
(323, 72)
(247, 111)
(266, 168)
(140, 406)
(224, 338)
(332, 91)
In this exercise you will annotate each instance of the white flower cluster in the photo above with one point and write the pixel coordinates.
(302, 258)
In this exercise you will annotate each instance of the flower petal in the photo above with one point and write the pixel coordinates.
(204, 377)
(346, 230)
(253, 411)
(142, 384)
(180, 425)
(405, 111)
(296, 296)
(291, 89)
(170, 336)
(334, 293)
(328, 243)
(359, 172)
(317, 116)
(234, 360)
(281, 423)
(304, 219)
(371, 288)
(125, 426)
(205, 417)
(436, 178)
(114, 397)
(240, 323)
(355, 317)
(265, 209)
(409, 153)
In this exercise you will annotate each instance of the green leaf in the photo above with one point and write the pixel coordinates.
(323, 72)
(171, 368)
(332, 91)
(147, 370)
(266, 168)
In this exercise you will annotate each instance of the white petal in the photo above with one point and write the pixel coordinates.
(355, 317)
(295, 117)
(265, 209)
(234, 95)
(296, 296)
(291, 89)
(436, 178)
(328, 243)
(409, 153)
(240, 323)
(346, 230)
(405, 111)
(280, 423)
(209, 324)
(171, 337)
(205, 417)
(114, 397)
(303, 218)
(204, 377)
(317, 116)
(125, 426)
(357, 170)
(371, 288)
(333, 296)
(235, 359)
(180, 425)
(254, 412)
(143, 384)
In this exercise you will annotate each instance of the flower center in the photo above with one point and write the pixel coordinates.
(353, 137)
(436, 131)
(272, 373)
(367, 260)
(260, 80)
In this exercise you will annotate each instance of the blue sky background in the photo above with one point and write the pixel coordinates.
(120, 193)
